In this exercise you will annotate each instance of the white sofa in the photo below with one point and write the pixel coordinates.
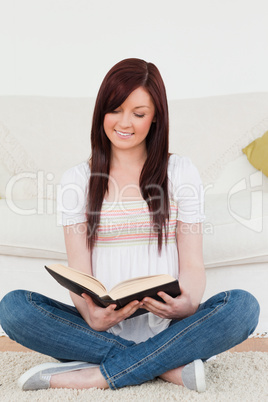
(41, 137)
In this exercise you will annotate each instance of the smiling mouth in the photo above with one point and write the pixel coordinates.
(121, 134)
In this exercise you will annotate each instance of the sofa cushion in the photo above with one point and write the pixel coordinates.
(212, 131)
(43, 137)
(257, 153)
(30, 229)
(5, 176)
(236, 216)
(234, 172)
(236, 228)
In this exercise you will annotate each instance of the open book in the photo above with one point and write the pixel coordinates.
(121, 294)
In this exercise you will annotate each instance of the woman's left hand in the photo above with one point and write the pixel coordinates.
(174, 308)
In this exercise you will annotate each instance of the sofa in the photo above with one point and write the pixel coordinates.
(41, 137)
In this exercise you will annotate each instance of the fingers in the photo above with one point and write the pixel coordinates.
(161, 309)
(130, 308)
(92, 305)
(121, 313)
(148, 301)
(88, 300)
(167, 299)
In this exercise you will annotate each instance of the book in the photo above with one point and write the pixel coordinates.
(121, 294)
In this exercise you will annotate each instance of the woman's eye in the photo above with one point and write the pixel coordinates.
(139, 115)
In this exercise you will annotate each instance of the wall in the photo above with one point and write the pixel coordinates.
(65, 47)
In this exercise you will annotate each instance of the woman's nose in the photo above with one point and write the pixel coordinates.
(125, 120)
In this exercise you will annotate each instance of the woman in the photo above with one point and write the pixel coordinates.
(133, 210)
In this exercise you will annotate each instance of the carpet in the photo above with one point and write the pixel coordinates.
(230, 377)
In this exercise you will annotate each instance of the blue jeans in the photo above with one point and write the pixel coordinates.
(58, 330)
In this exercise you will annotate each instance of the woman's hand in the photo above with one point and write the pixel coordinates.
(174, 308)
(101, 319)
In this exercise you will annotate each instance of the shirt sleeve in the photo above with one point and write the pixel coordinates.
(187, 190)
(72, 196)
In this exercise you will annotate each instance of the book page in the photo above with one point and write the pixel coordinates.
(86, 280)
(139, 284)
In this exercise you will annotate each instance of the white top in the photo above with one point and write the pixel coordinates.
(124, 247)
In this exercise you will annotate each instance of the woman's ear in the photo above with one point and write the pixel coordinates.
(154, 119)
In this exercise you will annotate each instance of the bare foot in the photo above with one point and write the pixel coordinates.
(173, 376)
(79, 379)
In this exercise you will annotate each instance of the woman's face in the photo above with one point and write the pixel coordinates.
(128, 125)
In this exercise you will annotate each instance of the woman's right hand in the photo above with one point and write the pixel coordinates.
(101, 319)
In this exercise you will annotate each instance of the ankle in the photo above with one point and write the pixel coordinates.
(191, 376)
(173, 376)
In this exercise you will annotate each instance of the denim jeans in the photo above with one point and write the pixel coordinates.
(55, 329)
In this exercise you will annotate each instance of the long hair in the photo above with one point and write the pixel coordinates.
(120, 81)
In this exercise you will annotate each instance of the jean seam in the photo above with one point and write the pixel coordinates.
(73, 325)
(107, 377)
(167, 344)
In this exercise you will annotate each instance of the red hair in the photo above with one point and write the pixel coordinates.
(120, 81)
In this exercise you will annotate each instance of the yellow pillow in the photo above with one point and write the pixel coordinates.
(257, 153)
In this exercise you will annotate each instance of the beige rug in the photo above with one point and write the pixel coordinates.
(230, 377)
